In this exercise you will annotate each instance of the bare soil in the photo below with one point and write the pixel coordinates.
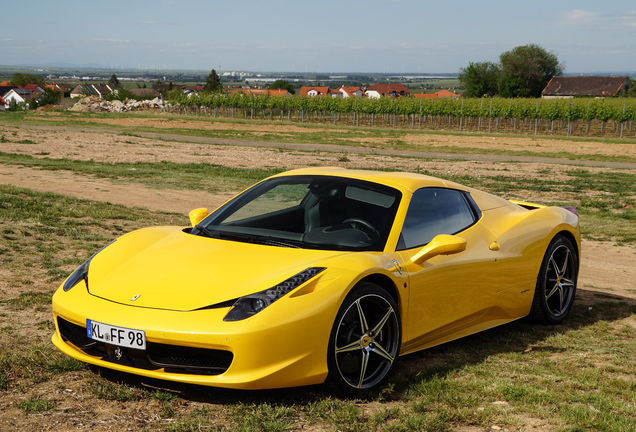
(605, 267)
(430, 141)
(113, 148)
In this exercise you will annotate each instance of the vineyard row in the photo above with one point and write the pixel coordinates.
(571, 116)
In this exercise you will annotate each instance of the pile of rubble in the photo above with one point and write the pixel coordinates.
(95, 104)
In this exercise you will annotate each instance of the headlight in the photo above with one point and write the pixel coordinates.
(82, 272)
(252, 304)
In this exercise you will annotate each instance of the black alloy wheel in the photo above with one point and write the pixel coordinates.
(365, 340)
(556, 283)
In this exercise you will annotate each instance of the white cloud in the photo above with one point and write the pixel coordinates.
(605, 23)
(579, 17)
(111, 40)
(628, 18)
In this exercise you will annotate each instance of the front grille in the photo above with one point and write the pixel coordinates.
(75, 334)
(187, 357)
(173, 358)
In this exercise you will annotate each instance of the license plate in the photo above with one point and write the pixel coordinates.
(119, 336)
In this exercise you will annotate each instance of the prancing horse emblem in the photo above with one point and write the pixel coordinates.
(135, 297)
(118, 353)
(398, 267)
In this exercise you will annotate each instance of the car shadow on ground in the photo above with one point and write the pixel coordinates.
(521, 336)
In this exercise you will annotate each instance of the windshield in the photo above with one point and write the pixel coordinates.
(315, 212)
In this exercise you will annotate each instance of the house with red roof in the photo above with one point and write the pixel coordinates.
(391, 90)
(257, 92)
(247, 91)
(3, 104)
(591, 86)
(351, 92)
(425, 95)
(445, 94)
(314, 91)
(34, 90)
(59, 87)
(277, 92)
(319, 91)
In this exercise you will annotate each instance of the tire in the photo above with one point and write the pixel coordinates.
(365, 340)
(556, 283)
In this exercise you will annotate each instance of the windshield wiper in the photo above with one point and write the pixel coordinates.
(251, 238)
(279, 243)
(206, 231)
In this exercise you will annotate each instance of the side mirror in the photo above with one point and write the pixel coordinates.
(197, 215)
(442, 244)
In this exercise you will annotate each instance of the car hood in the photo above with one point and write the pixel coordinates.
(167, 268)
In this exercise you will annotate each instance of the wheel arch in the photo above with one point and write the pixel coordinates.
(384, 282)
(378, 292)
(577, 247)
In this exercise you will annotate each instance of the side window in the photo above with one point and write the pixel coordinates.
(434, 211)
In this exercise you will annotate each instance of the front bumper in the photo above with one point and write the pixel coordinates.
(283, 346)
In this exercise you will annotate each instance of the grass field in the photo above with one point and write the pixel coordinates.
(576, 376)
(573, 377)
(606, 200)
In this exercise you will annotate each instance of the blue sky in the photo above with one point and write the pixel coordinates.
(324, 36)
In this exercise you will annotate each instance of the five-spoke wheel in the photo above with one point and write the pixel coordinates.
(365, 339)
(556, 284)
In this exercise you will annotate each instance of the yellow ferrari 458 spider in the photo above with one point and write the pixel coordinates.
(317, 275)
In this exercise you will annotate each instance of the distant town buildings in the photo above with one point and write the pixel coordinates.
(256, 85)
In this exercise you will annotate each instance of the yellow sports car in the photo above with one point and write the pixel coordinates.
(317, 275)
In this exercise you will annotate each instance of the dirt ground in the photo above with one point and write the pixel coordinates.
(605, 267)
(428, 140)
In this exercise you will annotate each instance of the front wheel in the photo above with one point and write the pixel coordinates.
(365, 340)
(556, 283)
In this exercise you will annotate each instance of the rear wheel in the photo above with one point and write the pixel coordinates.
(556, 283)
(365, 340)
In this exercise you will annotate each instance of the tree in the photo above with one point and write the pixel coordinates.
(526, 70)
(282, 84)
(632, 91)
(213, 82)
(113, 80)
(13, 105)
(120, 94)
(22, 80)
(479, 79)
(50, 97)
